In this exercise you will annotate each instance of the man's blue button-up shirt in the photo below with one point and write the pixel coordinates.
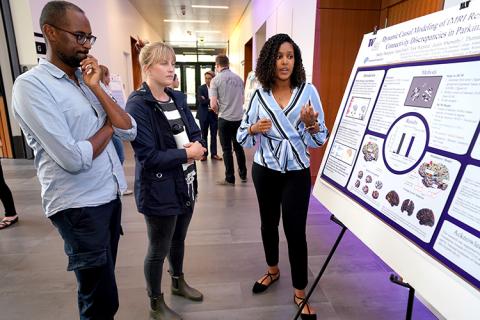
(58, 117)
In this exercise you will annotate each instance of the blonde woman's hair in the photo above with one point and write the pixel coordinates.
(154, 53)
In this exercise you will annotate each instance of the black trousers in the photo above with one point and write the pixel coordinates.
(211, 122)
(286, 194)
(91, 236)
(6, 196)
(228, 137)
(166, 238)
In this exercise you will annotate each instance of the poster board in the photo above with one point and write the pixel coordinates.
(402, 168)
(116, 90)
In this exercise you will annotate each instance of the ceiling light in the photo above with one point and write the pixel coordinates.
(209, 7)
(207, 31)
(186, 21)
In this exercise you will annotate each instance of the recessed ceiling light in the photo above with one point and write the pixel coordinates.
(186, 21)
(207, 31)
(209, 7)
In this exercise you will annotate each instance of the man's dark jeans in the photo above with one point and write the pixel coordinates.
(91, 237)
(228, 136)
(210, 122)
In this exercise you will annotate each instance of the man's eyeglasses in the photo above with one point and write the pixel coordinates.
(81, 37)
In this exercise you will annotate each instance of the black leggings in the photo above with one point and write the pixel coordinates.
(166, 237)
(289, 192)
(6, 196)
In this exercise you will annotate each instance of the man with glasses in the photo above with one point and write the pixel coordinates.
(68, 120)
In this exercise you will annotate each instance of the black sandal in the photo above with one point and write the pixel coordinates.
(5, 223)
(304, 316)
(259, 287)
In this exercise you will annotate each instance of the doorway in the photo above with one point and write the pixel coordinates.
(248, 56)
(5, 148)
(136, 71)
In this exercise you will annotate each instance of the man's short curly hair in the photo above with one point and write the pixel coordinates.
(266, 63)
(53, 13)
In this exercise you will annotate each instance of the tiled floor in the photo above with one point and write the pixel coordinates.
(224, 256)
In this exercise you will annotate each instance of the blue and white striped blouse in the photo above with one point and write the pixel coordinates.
(285, 146)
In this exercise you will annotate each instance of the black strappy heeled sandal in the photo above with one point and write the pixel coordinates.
(259, 287)
(6, 222)
(304, 316)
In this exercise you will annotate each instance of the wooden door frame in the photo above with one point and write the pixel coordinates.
(136, 70)
(5, 138)
(5, 130)
(247, 58)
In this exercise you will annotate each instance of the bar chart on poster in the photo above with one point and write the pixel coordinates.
(405, 152)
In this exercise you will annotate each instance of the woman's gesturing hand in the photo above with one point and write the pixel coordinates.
(261, 126)
(308, 115)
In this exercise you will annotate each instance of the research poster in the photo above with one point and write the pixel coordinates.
(116, 90)
(406, 145)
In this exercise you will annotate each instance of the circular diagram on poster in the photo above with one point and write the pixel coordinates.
(405, 144)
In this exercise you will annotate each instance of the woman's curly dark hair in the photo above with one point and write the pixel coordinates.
(266, 63)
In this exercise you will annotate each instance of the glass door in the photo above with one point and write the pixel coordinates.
(204, 68)
(190, 88)
(191, 77)
(178, 72)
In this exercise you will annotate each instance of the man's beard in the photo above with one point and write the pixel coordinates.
(72, 61)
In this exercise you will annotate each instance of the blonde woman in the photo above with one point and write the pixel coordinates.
(167, 143)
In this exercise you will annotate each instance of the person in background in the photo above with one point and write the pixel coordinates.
(175, 83)
(207, 117)
(226, 99)
(284, 118)
(117, 142)
(68, 120)
(6, 197)
(167, 143)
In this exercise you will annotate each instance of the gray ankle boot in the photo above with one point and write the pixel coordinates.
(160, 311)
(181, 288)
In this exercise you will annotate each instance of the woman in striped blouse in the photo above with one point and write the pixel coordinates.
(285, 118)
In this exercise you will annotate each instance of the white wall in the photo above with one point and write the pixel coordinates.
(124, 22)
(280, 16)
(258, 41)
(23, 32)
(26, 52)
(112, 21)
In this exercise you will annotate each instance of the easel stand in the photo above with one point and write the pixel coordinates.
(411, 293)
(324, 267)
